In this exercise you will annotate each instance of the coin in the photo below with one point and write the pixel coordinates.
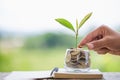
(68, 57)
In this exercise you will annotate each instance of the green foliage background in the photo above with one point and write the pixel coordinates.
(43, 52)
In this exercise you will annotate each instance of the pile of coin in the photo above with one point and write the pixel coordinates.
(77, 58)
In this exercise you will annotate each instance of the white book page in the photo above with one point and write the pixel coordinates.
(28, 75)
(91, 71)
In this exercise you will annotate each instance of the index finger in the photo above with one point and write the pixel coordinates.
(91, 37)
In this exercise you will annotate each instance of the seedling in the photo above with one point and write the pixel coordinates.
(68, 25)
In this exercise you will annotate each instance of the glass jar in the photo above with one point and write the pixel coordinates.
(77, 60)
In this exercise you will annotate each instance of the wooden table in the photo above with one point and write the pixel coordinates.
(107, 76)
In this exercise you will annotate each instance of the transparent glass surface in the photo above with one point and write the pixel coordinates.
(77, 60)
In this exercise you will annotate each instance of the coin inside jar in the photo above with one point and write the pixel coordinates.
(77, 59)
(68, 58)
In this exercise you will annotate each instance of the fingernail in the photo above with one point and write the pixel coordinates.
(90, 46)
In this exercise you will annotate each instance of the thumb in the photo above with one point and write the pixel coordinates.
(97, 44)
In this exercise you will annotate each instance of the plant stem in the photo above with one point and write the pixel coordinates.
(76, 34)
(76, 42)
(76, 37)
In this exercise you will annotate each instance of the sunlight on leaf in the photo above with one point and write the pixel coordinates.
(65, 23)
(85, 19)
(77, 24)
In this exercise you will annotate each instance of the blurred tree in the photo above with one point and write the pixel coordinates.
(49, 40)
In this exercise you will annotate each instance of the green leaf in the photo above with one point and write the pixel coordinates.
(65, 23)
(77, 24)
(85, 19)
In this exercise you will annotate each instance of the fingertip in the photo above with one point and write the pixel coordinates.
(90, 45)
(80, 46)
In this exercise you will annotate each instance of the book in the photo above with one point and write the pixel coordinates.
(92, 74)
(62, 73)
(28, 75)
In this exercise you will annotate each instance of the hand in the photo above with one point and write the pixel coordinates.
(103, 40)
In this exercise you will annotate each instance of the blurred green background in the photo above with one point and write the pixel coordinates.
(45, 51)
